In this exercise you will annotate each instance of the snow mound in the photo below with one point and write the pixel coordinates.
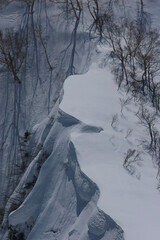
(99, 223)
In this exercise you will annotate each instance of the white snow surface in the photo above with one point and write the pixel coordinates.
(131, 200)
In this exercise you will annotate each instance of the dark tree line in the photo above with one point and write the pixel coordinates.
(135, 50)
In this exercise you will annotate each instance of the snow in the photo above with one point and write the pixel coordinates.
(93, 98)
(63, 201)
(132, 200)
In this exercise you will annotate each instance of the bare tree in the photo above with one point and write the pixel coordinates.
(130, 157)
(124, 103)
(71, 6)
(43, 42)
(148, 120)
(12, 52)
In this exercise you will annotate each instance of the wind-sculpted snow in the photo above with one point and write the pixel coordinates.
(63, 202)
(43, 192)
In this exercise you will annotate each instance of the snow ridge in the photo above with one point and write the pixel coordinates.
(63, 197)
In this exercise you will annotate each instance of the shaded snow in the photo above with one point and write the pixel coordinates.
(26, 104)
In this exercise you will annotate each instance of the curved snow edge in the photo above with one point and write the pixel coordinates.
(77, 215)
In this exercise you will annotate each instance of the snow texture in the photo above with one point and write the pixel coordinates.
(63, 198)
(128, 195)
(54, 198)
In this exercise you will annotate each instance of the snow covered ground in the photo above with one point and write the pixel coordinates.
(132, 200)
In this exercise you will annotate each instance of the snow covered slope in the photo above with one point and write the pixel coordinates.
(133, 201)
(63, 202)
(97, 127)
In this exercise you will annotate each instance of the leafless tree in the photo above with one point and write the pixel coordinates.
(43, 42)
(124, 102)
(147, 119)
(131, 156)
(71, 6)
(12, 52)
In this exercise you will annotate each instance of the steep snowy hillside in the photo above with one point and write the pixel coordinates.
(79, 151)
(52, 49)
(62, 204)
